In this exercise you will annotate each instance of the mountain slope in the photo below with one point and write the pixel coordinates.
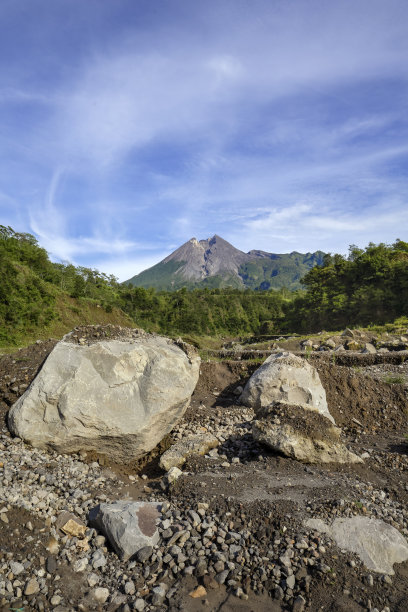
(214, 262)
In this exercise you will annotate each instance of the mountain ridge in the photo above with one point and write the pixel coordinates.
(214, 262)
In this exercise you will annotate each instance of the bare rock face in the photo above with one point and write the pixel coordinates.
(197, 444)
(378, 544)
(301, 434)
(117, 397)
(285, 377)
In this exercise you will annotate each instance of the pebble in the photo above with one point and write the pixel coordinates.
(198, 592)
(31, 587)
(100, 594)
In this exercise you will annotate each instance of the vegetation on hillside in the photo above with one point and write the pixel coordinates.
(37, 297)
(204, 311)
(279, 271)
(368, 287)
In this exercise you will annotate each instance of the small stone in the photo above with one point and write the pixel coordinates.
(222, 576)
(198, 592)
(16, 567)
(80, 565)
(71, 525)
(299, 604)
(139, 605)
(92, 579)
(144, 554)
(130, 588)
(219, 566)
(173, 474)
(98, 559)
(52, 545)
(55, 600)
(31, 587)
(51, 565)
(290, 582)
(159, 593)
(100, 540)
(100, 594)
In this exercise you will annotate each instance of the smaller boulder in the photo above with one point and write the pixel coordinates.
(197, 444)
(301, 434)
(378, 544)
(129, 526)
(284, 377)
(369, 349)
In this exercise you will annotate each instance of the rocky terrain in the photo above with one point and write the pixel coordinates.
(240, 527)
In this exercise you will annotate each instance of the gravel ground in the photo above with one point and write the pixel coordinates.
(232, 526)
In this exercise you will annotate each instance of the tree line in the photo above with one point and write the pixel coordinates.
(369, 286)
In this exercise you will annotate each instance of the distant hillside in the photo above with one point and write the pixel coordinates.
(39, 299)
(215, 263)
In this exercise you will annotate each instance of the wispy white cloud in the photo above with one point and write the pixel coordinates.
(50, 222)
(325, 227)
(238, 119)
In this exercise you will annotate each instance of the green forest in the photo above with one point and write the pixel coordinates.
(368, 287)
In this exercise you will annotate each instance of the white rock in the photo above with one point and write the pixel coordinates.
(197, 444)
(16, 567)
(378, 544)
(100, 594)
(173, 474)
(118, 398)
(92, 579)
(80, 565)
(286, 378)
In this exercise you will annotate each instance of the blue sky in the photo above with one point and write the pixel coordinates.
(129, 126)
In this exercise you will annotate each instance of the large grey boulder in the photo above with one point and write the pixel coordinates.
(117, 397)
(301, 434)
(285, 377)
(129, 526)
(378, 544)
